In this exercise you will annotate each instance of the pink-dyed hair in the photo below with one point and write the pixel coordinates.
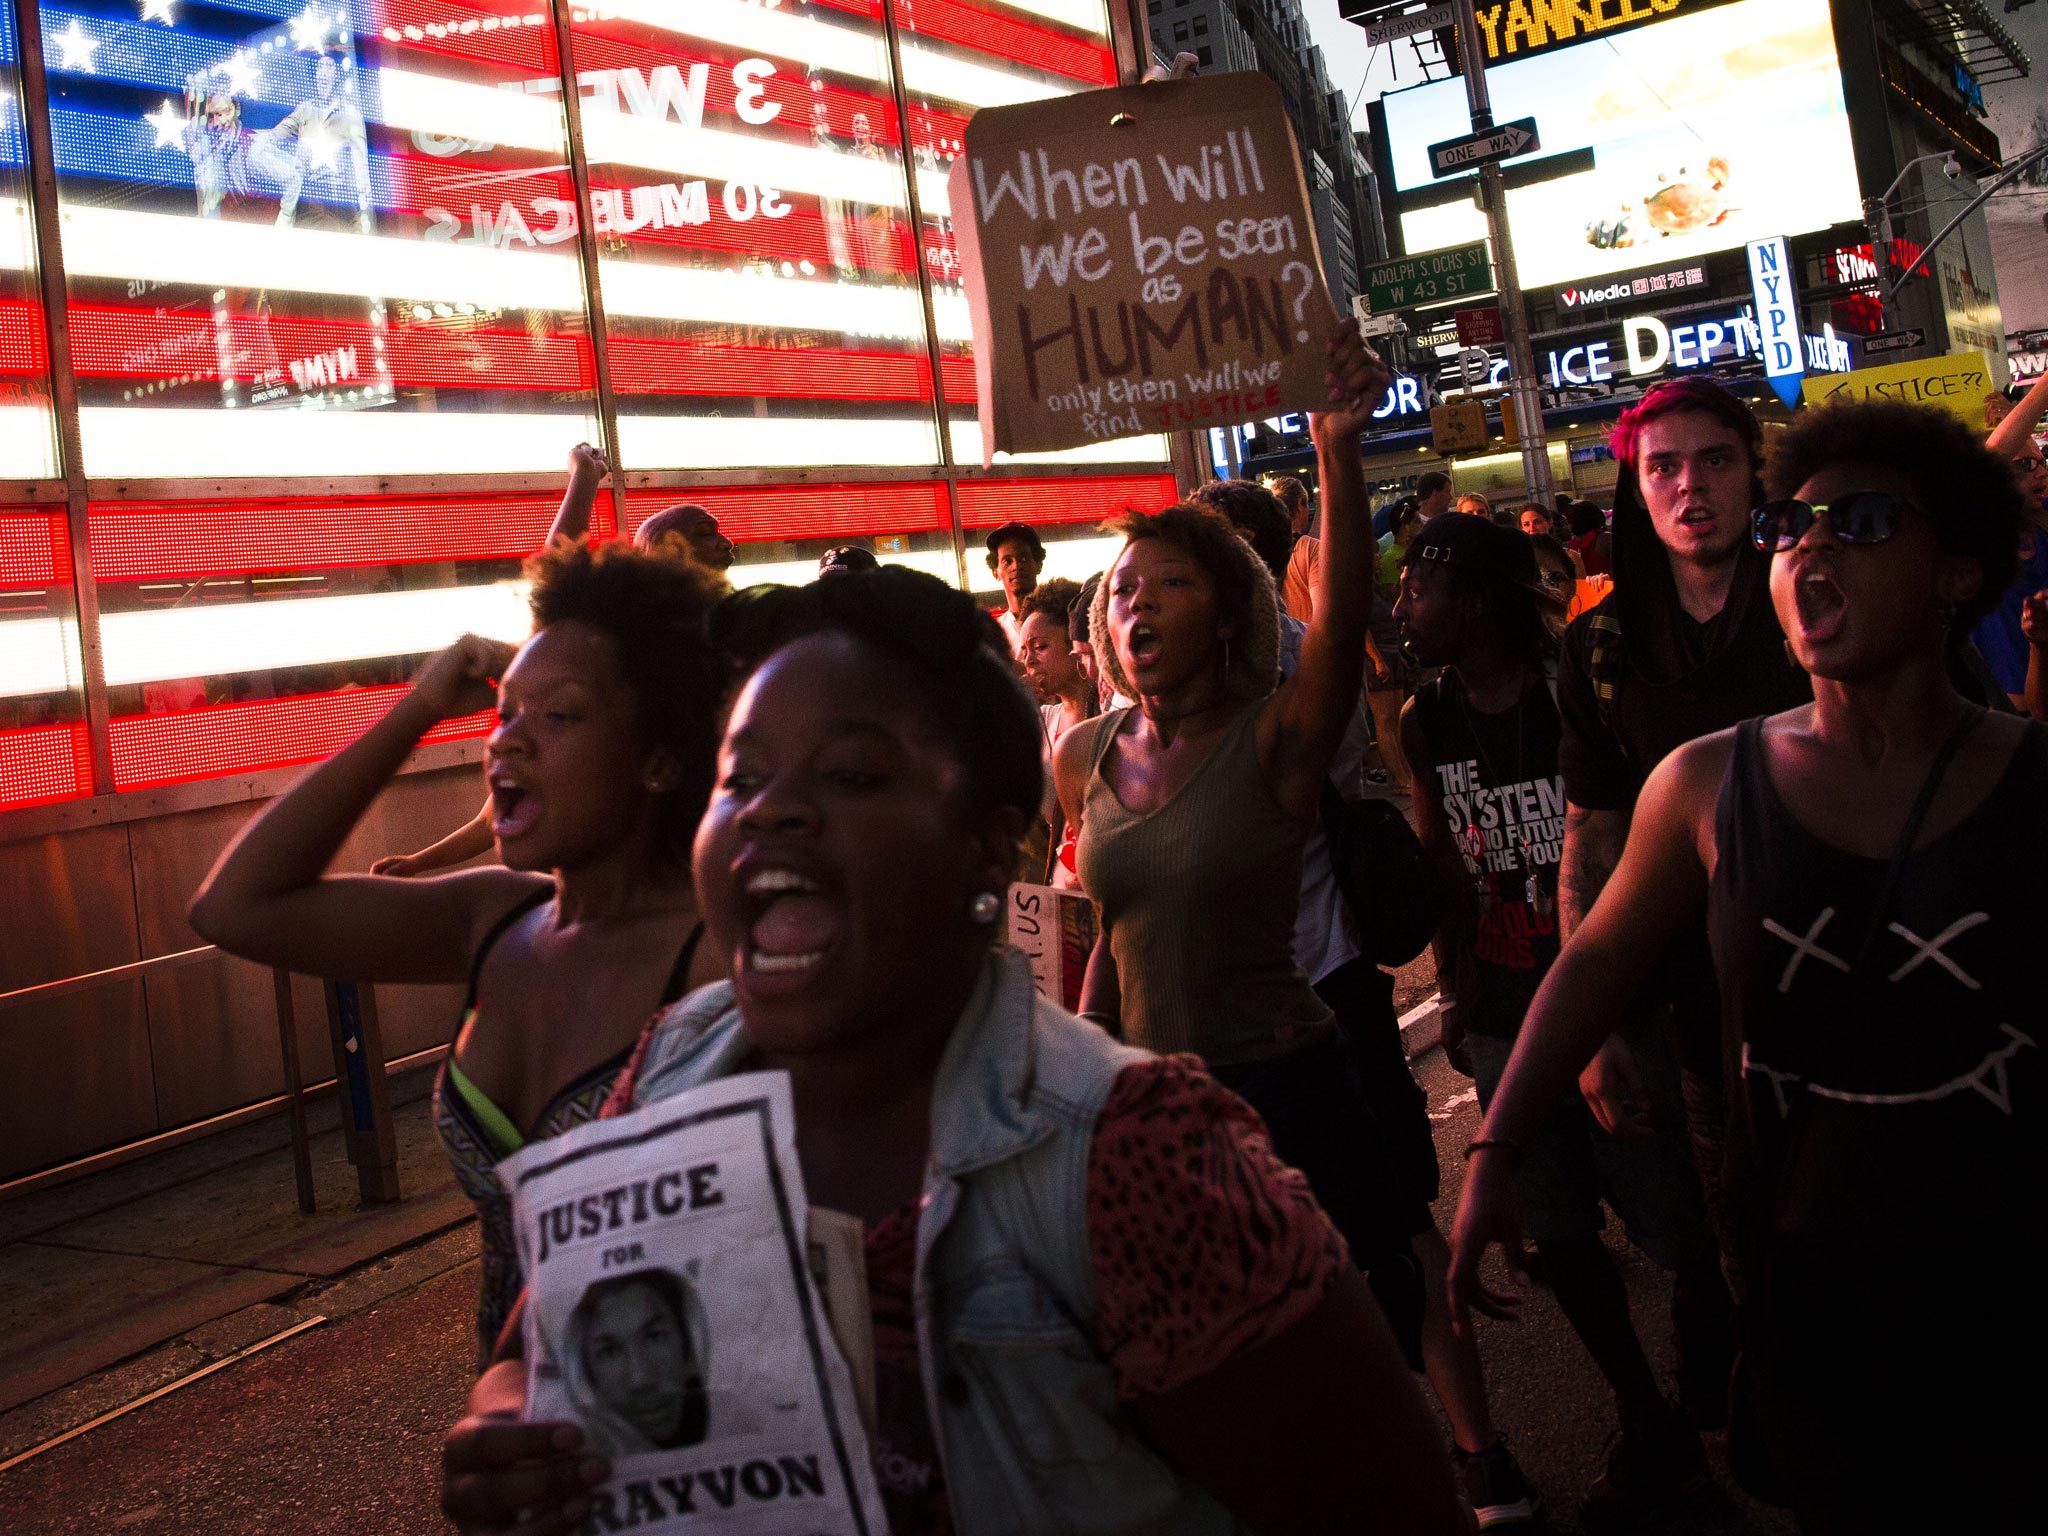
(1676, 395)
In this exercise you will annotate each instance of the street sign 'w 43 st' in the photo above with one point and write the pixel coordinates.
(1402, 282)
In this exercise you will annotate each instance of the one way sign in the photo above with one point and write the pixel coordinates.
(1484, 147)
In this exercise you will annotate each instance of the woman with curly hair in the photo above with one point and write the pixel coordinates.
(1195, 806)
(598, 770)
(1867, 868)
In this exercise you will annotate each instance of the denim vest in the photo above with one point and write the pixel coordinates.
(1030, 1432)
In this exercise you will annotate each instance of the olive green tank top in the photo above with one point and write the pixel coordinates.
(1198, 903)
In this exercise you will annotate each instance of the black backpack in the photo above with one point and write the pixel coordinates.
(1395, 890)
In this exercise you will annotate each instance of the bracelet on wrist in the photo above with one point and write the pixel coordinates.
(1493, 1144)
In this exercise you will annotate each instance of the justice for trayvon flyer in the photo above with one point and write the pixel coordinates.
(674, 1310)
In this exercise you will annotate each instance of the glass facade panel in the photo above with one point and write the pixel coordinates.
(246, 635)
(760, 286)
(317, 240)
(309, 238)
(28, 439)
(958, 56)
(43, 751)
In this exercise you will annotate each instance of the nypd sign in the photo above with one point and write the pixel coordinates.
(1777, 317)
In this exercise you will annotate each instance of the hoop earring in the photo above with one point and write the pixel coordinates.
(1226, 657)
(984, 907)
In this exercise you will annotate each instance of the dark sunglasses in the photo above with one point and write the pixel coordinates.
(1861, 517)
(2026, 464)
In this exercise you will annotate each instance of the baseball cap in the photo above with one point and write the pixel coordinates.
(847, 560)
(1022, 531)
(1487, 554)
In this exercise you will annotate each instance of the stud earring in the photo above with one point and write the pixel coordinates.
(984, 907)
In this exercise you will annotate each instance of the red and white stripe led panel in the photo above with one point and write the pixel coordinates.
(34, 550)
(153, 750)
(42, 764)
(1084, 499)
(807, 511)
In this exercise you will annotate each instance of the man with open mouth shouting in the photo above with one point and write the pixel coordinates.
(1868, 868)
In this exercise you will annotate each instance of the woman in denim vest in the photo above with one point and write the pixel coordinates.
(1099, 1302)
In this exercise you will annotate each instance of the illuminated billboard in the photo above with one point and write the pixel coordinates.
(1707, 130)
(332, 337)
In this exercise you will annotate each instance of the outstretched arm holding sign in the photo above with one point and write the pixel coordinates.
(1303, 726)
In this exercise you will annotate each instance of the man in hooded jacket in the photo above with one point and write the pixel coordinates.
(1687, 643)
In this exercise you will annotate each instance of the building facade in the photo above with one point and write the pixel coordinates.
(1272, 37)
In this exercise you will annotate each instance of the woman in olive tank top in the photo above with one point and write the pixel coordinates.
(1194, 805)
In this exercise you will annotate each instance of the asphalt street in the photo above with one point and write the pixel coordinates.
(337, 1430)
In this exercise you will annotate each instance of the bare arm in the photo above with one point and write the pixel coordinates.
(467, 841)
(1305, 722)
(1454, 938)
(1320, 1430)
(2034, 625)
(1659, 890)
(1100, 993)
(587, 470)
(1612, 1083)
(270, 899)
(1593, 841)
(2017, 430)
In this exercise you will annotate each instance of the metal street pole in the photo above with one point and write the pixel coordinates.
(1524, 387)
(1877, 218)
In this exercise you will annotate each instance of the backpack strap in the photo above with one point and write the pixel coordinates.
(1604, 665)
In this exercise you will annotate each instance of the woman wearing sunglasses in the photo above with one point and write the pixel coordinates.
(1868, 868)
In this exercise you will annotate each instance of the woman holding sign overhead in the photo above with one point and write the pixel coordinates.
(1194, 807)
(1099, 1302)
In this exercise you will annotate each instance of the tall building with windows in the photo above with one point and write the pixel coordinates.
(1272, 37)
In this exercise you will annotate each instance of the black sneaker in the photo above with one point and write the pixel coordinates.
(1656, 1462)
(1494, 1486)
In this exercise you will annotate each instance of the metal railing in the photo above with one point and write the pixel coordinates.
(358, 1053)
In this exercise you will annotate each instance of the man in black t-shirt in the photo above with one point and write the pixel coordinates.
(1483, 740)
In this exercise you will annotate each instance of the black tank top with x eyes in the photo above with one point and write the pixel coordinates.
(1895, 1098)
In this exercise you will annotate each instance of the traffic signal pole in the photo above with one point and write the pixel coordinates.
(1525, 388)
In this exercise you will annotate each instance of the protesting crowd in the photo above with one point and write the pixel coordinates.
(1720, 812)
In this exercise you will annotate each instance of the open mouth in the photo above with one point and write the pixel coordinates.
(1144, 645)
(514, 809)
(792, 923)
(1822, 608)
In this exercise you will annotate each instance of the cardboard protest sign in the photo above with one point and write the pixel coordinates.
(1958, 383)
(1141, 259)
(1055, 930)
